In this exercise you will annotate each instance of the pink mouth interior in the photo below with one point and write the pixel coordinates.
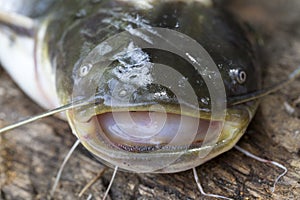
(145, 131)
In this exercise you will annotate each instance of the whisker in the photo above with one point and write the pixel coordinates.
(111, 182)
(89, 197)
(247, 153)
(43, 115)
(201, 188)
(75, 145)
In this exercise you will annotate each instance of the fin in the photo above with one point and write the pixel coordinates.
(75, 145)
(22, 24)
(264, 92)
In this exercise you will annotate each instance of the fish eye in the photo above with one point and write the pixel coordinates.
(85, 69)
(241, 77)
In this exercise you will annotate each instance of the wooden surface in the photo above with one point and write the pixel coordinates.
(30, 156)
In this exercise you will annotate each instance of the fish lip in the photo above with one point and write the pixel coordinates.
(184, 158)
(186, 110)
(231, 113)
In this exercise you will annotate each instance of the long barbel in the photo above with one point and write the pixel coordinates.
(231, 102)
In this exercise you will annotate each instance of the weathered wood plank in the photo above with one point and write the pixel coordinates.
(30, 156)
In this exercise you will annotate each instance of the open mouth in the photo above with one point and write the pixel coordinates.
(142, 131)
(148, 131)
(149, 141)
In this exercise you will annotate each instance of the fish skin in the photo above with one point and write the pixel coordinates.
(74, 29)
(67, 40)
(72, 38)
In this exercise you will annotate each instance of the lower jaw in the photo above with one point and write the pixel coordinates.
(185, 161)
(198, 156)
(167, 160)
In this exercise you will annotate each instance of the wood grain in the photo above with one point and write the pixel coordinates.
(31, 155)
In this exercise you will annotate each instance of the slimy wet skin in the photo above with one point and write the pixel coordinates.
(152, 107)
(126, 103)
(121, 127)
(129, 137)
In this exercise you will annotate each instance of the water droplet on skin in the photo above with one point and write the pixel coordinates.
(220, 66)
(182, 82)
(205, 100)
(122, 93)
(161, 95)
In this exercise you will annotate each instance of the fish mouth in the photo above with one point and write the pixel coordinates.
(138, 140)
(150, 131)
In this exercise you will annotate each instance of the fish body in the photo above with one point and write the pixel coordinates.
(79, 50)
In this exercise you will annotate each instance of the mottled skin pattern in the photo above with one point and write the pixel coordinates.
(78, 31)
(74, 29)
(76, 35)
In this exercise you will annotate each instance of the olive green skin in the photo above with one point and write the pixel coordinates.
(75, 28)
(72, 34)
